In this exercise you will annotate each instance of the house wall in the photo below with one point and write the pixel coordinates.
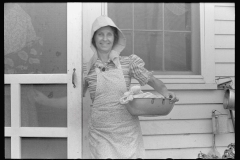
(224, 21)
(187, 130)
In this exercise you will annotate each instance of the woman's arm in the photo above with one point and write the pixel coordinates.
(138, 71)
(40, 98)
(160, 87)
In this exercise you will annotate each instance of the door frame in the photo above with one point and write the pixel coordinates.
(90, 12)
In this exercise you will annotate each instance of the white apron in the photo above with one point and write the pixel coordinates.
(113, 131)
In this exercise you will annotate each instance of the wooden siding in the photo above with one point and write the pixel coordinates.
(224, 12)
(179, 153)
(186, 141)
(224, 36)
(226, 70)
(224, 27)
(225, 55)
(224, 41)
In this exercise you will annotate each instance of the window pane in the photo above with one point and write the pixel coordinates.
(35, 38)
(121, 14)
(7, 148)
(177, 16)
(148, 16)
(177, 51)
(50, 148)
(128, 49)
(44, 105)
(149, 46)
(7, 106)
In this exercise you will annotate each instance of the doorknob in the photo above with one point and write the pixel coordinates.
(73, 75)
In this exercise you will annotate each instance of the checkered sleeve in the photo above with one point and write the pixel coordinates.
(84, 82)
(138, 71)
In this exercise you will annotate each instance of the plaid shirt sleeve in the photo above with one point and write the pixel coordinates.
(138, 71)
(84, 82)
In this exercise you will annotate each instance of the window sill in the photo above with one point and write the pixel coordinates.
(181, 82)
(183, 86)
(186, 87)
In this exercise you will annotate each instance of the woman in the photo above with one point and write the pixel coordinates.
(113, 131)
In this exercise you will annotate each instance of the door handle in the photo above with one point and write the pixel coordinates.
(73, 75)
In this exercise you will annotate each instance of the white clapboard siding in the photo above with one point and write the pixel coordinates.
(166, 127)
(224, 27)
(224, 41)
(224, 55)
(173, 81)
(225, 69)
(225, 4)
(187, 140)
(224, 12)
(189, 111)
(179, 153)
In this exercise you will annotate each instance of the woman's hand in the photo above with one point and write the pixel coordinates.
(160, 87)
(173, 97)
(40, 98)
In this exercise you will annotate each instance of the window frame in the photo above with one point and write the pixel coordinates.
(206, 79)
(194, 34)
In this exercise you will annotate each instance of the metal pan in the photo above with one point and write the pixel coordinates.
(150, 106)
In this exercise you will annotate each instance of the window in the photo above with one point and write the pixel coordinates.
(165, 35)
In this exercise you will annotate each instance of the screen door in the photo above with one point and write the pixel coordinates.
(42, 80)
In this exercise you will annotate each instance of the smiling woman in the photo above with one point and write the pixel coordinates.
(113, 131)
(105, 38)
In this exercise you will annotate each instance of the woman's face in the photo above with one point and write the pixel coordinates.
(104, 39)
